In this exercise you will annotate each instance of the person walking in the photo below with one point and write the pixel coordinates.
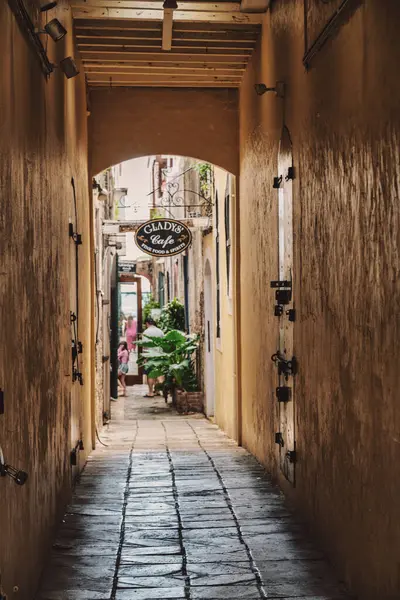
(131, 333)
(152, 331)
(123, 367)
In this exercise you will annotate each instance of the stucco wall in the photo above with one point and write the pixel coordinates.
(42, 145)
(128, 123)
(225, 401)
(344, 122)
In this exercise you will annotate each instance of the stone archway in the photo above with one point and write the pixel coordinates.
(128, 123)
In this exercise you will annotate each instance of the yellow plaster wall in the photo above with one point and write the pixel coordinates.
(43, 143)
(127, 123)
(343, 117)
(224, 348)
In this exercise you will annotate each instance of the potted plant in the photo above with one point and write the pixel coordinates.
(171, 357)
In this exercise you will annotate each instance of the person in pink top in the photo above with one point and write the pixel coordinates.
(123, 367)
(131, 332)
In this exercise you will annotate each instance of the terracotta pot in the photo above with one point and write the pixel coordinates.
(189, 401)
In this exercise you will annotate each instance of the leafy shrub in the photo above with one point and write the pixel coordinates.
(172, 316)
(148, 307)
(171, 356)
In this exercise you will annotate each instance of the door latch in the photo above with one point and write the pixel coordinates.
(277, 182)
(278, 310)
(279, 439)
(285, 367)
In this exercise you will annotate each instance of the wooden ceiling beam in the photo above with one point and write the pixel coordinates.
(88, 12)
(168, 79)
(180, 73)
(89, 65)
(119, 34)
(183, 26)
(177, 45)
(144, 5)
(187, 84)
(159, 57)
(203, 51)
(162, 65)
(168, 19)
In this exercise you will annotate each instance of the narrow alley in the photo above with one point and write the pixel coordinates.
(172, 508)
(200, 200)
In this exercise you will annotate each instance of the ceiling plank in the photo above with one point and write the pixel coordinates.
(143, 5)
(159, 57)
(192, 84)
(87, 12)
(157, 26)
(160, 77)
(152, 67)
(177, 45)
(204, 51)
(123, 34)
(177, 74)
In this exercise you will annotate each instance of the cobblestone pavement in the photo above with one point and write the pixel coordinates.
(173, 509)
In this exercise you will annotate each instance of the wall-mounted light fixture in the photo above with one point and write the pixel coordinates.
(68, 67)
(48, 6)
(55, 30)
(279, 89)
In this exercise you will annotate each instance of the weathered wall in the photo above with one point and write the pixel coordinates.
(344, 122)
(224, 347)
(128, 123)
(42, 145)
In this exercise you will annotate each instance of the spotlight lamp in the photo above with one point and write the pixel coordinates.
(55, 30)
(68, 67)
(279, 89)
(48, 6)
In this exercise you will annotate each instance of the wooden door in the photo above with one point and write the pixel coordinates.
(286, 375)
(135, 373)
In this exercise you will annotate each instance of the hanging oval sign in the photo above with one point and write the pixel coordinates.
(163, 237)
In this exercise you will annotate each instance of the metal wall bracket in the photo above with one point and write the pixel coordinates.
(281, 283)
(77, 237)
(277, 182)
(290, 174)
(291, 456)
(283, 394)
(291, 313)
(285, 367)
(283, 296)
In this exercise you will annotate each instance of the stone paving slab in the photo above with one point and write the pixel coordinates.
(172, 509)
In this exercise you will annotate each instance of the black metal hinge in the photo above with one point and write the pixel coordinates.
(291, 456)
(291, 313)
(283, 393)
(77, 237)
(281, 283)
